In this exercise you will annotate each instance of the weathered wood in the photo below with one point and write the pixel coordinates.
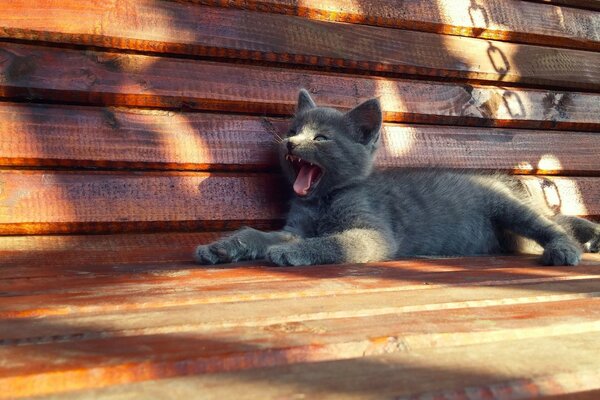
(237, 34)
(585, 4)
(48, 136)
(38, 202)
(29, 72)
(556, 368)
(261, 313)
(61, 366)
(510, 20)
(131, 289)
(35, 257)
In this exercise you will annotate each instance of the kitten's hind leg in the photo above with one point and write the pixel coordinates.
(586, 232)
(245, 244)
(519, 217)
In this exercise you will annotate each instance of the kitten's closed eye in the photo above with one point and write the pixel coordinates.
(320, 138)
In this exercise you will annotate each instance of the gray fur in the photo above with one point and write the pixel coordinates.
(356, 214)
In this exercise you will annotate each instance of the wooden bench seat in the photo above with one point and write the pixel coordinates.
(132, 131)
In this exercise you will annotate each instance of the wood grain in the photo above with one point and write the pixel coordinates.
(42, 202)
(529, 370)
(508, 20)
(29, 73)
(156, 288)
(585, 4)
(35, 257)
(39, 202)
(84, 137)
(238, 34)
(419, 305)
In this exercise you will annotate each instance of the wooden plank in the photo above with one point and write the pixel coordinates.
(63, 366)
(509, 20)
(46, 135)
(408, 295)
(238, 34)
(42, 202)
(56, 256)
(127, 289)
(529, 370)
(585, 4)
(49, 136)
(29, 72)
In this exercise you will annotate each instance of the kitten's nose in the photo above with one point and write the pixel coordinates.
(290, 146)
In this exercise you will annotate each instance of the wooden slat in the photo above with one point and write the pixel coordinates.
(30, 72)
(38, 202)
(422, 308)
(35, 257)
(77, 326)
(238, 34)
(61, 367)
(48, 136)
(585, 4)
(555, 368)
(510, 20)
(42, 202)
(180, 298)
(158, 287)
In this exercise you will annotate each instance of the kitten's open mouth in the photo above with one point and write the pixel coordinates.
(308, 175)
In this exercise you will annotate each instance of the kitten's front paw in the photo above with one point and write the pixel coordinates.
(287, 255)
(223, 251)
(561, 252)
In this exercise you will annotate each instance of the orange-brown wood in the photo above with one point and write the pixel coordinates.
(585, 4)
(238, 34)
(250, 317)
(29, 72)
(510, 20)
(155, 287)
(54, 256)
(533, 368)
(48, 136)
(48, 202)
(38, 202)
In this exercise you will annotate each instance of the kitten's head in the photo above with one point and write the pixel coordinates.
(326, 149)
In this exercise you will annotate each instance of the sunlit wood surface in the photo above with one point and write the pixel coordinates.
(132, 131)
(81, 313)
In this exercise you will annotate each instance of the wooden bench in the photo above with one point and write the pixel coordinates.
(133, 130)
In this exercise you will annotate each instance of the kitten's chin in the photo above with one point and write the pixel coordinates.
(308, 175)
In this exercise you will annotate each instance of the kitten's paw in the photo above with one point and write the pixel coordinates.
(223, 251)
(593, 246)
(561, 252)
(286, 255)
(204, 255)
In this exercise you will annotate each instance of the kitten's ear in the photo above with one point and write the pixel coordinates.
(367, 118)
(305, 102)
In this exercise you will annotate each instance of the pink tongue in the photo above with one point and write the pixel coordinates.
(305, 177)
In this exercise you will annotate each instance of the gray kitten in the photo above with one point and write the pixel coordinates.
(343, 211)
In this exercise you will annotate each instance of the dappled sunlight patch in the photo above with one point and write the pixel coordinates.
(549, 162)
(329, 9)
(560, 194)
(398, 141)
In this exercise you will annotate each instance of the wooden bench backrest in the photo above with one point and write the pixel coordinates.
(147, 115)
